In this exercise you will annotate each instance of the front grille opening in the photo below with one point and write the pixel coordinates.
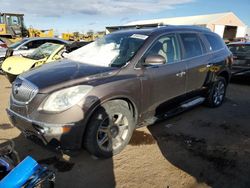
(23, 91)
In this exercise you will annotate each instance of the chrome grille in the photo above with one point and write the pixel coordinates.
(23, 91)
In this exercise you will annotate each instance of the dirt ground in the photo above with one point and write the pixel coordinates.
(202, 147)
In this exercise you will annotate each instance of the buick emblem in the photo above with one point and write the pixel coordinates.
(16, 87)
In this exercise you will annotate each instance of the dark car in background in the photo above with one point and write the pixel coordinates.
(241, 55)
(98, 94)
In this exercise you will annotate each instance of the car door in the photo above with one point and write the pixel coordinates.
(196, 59)
(163, 82)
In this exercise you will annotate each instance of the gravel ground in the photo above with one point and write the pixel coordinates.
(202, 147)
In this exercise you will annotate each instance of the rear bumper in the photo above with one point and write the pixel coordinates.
(61, 136)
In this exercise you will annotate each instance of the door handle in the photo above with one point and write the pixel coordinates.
(180, 74)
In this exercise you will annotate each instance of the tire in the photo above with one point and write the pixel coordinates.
(109, 129)
(217, 92)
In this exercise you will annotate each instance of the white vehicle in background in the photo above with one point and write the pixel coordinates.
(27, 46)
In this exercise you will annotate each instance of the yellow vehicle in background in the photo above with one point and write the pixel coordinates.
(40, 33)
(12, 29)
(46, 53)
(76, 36)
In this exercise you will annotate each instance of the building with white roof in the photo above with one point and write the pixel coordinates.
(227, 25)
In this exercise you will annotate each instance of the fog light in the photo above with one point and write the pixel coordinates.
(55, 130)
(58, 130)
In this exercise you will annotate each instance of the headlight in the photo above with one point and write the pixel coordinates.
(64, 99)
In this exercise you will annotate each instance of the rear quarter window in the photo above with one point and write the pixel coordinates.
(215, 42)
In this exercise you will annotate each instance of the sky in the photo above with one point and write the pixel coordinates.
(83, 15)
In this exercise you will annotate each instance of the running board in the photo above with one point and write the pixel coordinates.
(184, 106)
(181, 108)
(194, 102)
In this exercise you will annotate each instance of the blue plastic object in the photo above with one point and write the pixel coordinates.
(20, 174)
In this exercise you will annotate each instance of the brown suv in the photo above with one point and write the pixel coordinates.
(101, 92)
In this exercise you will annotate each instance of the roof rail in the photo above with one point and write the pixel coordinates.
(154, 25)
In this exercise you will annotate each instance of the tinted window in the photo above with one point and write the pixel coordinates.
(215, 42)
(191, 44)
(240, 49)
(56, 41)
(167, 47)
(35, 44)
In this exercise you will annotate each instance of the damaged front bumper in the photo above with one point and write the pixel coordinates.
(61, 136)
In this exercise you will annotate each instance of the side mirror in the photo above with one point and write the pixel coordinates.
(23, 48)
(154, 60)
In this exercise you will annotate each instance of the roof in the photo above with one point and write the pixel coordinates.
(137, 31)
(45, 38)
(170, 28)
(187, 20)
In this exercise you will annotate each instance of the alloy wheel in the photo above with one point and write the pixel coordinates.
(112, 132)
(219, 92)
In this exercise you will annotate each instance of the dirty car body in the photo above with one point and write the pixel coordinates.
(147, 71)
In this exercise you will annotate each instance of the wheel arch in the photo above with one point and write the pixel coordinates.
(131, 105)
(225, 75)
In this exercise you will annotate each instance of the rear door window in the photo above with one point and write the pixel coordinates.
(192, 45)
(215, 43)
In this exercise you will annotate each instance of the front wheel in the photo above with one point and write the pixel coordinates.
(110, 129)
(217, 92)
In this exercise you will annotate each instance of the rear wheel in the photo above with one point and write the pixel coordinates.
(217, 92)
(109, 129)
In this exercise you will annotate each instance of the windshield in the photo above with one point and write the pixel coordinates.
(44, 51)
(240, 49)
(113, 50)
(15, 45)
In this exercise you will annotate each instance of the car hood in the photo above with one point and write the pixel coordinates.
(17, 64)
(65, 73)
